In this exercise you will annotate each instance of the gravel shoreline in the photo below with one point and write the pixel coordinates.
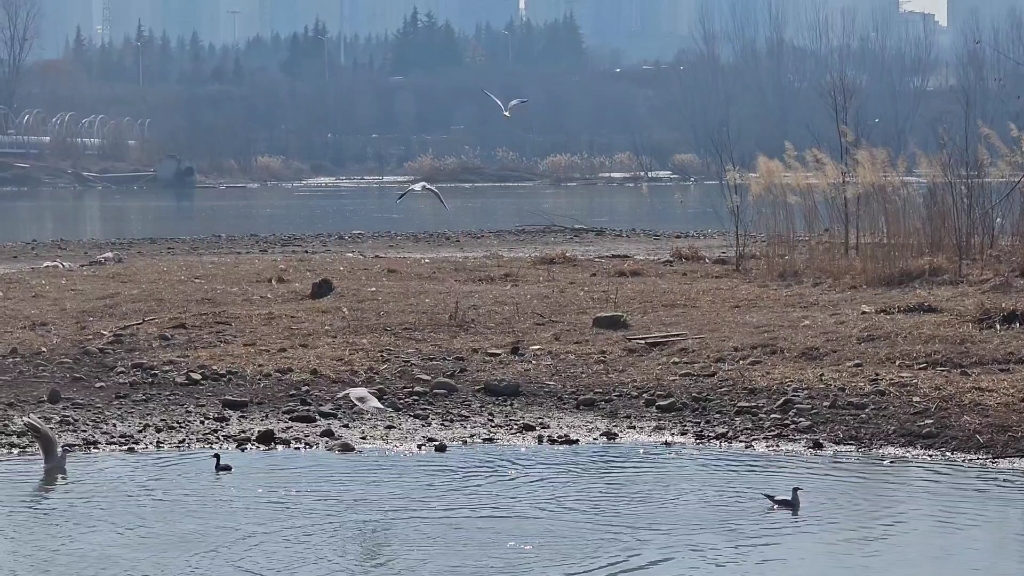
(229, 358)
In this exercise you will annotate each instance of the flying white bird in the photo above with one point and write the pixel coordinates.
(786, 503)
(364, 399)
(54, 461)
(421, 186)
(507, 111)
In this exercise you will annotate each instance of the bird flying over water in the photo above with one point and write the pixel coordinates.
(364, 399)
(507, 111)
(421, 186)
(792, 503)
(54, 458)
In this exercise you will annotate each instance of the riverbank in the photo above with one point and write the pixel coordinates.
(488, 337)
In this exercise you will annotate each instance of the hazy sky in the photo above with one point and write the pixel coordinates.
(937, 7)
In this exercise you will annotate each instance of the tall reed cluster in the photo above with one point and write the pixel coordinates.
(885, 221)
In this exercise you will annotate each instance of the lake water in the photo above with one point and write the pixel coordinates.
(594, 510)
(93, 213)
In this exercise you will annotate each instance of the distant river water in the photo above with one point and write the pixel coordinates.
(122, 213)
(584, 510)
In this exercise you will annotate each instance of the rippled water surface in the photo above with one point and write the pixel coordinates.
(495, 510)
(89, 213)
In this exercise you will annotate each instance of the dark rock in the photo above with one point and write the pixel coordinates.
(322, 288)
(90, 351)
(439, 393)
(342, 446)
(528, 427)
(440, 447)
(855, 364)
(221, 418)
(803, 408)
(444, 384)
(609, 435)
(327, 433)
(327, 414)
(805, 425)
(816, 445)
(53, 396)
(266, 437)
(229, 403)
(859, 405)
(784, 402)
(650, 401)
(586, 402)
(164, 337)
(879, 391)
(13, 351)
(303, 418)
(930, 434)
(721, 433)
(833, 404)
(502, 388)
(670, 405)
(610, 321)
(494, 352)
(421, 415)
(420, 391)
(99, 385)
(392, 404)
(194, 377)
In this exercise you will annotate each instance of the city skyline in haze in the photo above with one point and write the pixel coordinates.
(937, 7)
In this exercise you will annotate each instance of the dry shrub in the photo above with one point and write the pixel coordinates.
(685, 164)
(551, 258)
(629, 270)
(430, 167)
(509, 160)
(689, 253)
(562, 166)
(277, 169)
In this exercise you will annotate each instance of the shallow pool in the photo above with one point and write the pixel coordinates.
(601, 510)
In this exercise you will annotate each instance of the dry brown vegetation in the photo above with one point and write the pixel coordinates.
(761, 340)
(873, 220)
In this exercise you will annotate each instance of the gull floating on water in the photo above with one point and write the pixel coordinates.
(792, 503)
(365, 400)
(218, 466)
(54, 460)
(421, 186)
(507, 111)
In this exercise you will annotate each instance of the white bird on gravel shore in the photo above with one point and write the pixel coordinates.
(792, 503)
(54, 458)
(364, 399)
(421, 186)
(507, 111)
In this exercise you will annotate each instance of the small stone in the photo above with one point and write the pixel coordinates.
(860, 405)
(879, 391)
(610, 321)
(670, 405)
(444, 384)
(327, 433)
(53, 396)
(609, 435)
(439, 393)
(164, 337)
(833, 404)
(855, 364)
(419, 391)
(929, 434)
(266, 437)
(494, 352)
(229, 403)
(528, 427)
(423, 378)
(817, 445)
(650, 401)
(440, 447)
(502, 388)
(721, 433)
(90, 351)
(803, 408)
(586, 402)
(805, 425)
(421, 415)
(13, 351)
(120, 371)
(314, 371)
(99, 385)
(326, 414)
(303, 418)
(194, 377)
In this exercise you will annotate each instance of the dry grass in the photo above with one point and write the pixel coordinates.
(556, 257)
(277, 169)
(689, 253)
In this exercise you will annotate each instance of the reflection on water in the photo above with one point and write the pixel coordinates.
(89, 213)
(496, 510)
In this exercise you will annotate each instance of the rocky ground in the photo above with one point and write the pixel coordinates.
(489, 337)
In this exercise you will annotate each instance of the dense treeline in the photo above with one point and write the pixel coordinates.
(750, 80)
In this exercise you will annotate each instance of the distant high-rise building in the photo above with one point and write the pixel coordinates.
(970, 16)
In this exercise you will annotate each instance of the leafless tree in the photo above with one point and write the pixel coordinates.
(19, 29)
